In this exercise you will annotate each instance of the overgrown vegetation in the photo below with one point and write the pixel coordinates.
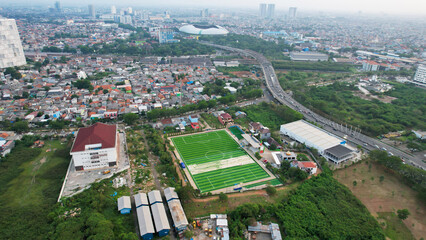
(374, 117)
(314, 66)
(30, 181)
(268, 48)
(92, 214)
(269, 114)
(320, 208)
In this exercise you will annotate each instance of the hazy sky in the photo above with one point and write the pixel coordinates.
(417, 7)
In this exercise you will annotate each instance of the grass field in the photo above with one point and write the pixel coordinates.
(394, 227)
(213, 147)
(388, 196)
(237, 132)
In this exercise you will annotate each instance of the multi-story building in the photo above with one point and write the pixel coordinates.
(95, 147)
(292, 13)
(420, 74)
(92, 11)
(113, 10)
(262, 10)
(165, 35)
(58, 6)
(271, 11)
(11, 52)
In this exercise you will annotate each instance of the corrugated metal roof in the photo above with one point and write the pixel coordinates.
(123, 202)
(141, 199)
(178, 214)
(154, 196)
(160, 218)
(145, 220)
(308, 133)
(170, 193)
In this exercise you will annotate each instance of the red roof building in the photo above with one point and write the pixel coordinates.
(99, 133)
(95, 147)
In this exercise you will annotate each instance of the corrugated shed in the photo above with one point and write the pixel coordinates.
(154, 196)
(170, 193)
(160, 218)
(123, 202)
(141, 199)
(178, 214)
(145, 221)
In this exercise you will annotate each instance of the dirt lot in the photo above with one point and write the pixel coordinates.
(387, 196)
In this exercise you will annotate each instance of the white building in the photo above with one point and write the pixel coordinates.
(11, 52)
(420, 74)
(95, 147)
(327, 144)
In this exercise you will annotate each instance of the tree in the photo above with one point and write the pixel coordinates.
(20, 127)
(354, 183)
(223, 197)
(130, 118)
(403, 214)
(271, 191)
(381, 178)
(105, 91)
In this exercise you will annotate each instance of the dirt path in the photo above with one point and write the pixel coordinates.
(153, 160)
(235, 195)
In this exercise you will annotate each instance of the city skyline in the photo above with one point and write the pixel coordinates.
(381, 6)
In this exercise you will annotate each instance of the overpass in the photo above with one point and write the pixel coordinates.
(351, 135)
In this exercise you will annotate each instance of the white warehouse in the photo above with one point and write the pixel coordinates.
(328, 145)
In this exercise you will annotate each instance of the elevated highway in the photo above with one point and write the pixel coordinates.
(351, 135)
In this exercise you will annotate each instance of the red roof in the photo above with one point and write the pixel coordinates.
(97, 133)
(309, 164)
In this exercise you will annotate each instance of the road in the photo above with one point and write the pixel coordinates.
(351, 135)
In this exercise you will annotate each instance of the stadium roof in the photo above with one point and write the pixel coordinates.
(203, 29)
(99, 133)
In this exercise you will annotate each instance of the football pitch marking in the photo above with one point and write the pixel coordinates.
(215, 160)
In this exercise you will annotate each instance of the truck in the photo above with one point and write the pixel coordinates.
(106, 172)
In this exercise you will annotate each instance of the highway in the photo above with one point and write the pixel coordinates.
(351, 135)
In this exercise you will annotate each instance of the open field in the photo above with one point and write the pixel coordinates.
(393, 226)
(205, 154)
(387, 196)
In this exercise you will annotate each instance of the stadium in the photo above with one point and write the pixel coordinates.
(214, 161)
(203, 29)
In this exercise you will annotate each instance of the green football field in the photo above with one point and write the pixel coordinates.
(213, 147)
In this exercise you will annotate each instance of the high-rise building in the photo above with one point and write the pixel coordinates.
(92, 12)
(166, 35)
(292, 12)
(420, 74)
(271, 11)
(204, 13)
(262, 10)
(113, 10)
(57, 6)
(11, 52)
